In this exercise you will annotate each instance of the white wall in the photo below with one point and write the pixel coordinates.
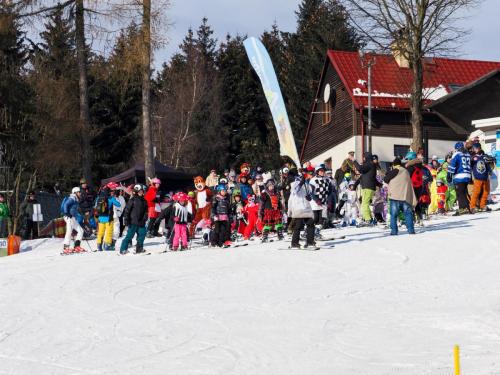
(337, 153)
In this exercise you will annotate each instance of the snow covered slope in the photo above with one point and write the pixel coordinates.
(374, 305)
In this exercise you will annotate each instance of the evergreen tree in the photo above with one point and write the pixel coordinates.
(53, 77)
(321, 25)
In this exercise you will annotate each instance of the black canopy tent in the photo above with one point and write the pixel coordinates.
(170, 177)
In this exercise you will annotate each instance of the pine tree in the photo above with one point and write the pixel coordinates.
(321, 25)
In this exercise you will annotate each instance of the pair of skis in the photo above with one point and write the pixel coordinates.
(315, 247)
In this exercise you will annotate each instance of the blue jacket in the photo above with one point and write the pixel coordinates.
(460, 167)
(245, 191)
(112, 201)
(71, 208)
(480, 169)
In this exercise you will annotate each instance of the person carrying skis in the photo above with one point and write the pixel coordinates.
(299, 209)
(182, 217)
(104, 208)
(221, 211)
(135, 217)
(70, 211)
(480, 171)
(270, 211)
(459, 171)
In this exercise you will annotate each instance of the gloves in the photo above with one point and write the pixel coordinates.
(308, 197)
(318, 202)
(176, 219)
(449, 177)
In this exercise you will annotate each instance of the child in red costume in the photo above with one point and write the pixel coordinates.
(251, 211)
(154, 211)
(441, 194)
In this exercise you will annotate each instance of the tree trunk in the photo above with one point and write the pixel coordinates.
(81, 53)
(416, 105)
(146, 90)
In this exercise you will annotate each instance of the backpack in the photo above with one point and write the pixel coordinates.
(417, 179)
(101, 206)
(63, 203)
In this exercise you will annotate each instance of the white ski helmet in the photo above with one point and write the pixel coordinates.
(138, 187)
(75, 190)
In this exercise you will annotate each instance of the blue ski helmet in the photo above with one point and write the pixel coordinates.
(221, 187)
(459, 145)
(411, 155)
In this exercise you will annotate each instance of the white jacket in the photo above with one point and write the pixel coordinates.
(118, 211)
(298, 206)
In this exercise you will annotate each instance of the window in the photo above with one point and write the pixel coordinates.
(327, 112)
(400, 151)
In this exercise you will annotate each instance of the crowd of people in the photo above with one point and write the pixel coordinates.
(253, 204)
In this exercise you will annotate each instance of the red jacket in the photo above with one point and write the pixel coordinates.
(150, 197)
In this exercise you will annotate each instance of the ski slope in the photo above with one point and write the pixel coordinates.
(373, 304)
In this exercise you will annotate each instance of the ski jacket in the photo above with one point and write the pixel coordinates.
(269, 201)
(368, 172)
(136, 212)
(118, 210)
(181, 214)
(71, 207)
(299, 206)
(221, 208)
(167, 214)
(245, 191)
(400, 186)
(460, 167)
(237, 210)
(112, 202)
(480, 168)
(320, 188)
(151, 198)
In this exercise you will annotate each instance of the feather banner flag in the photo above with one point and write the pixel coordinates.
(263, 66)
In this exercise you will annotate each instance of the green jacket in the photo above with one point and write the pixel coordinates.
(4, 211)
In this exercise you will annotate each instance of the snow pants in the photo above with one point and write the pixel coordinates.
(480, 193)
(180, 236)
(71, 225)
(105, 231)
(221, 233)
(462, 195)
(131, 231)
(396, 207)
(366, 200)
(298, 224)
(251, 226)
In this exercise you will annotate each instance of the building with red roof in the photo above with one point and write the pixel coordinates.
(338, 120)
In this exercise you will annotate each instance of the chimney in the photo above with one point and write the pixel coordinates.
(398, 50)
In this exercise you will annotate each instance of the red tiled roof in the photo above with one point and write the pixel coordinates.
(391, 84)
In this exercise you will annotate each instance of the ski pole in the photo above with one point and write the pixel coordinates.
(90, 247)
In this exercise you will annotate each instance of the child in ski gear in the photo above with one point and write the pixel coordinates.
(72, 217)
(237, 213)
(182, 217)
(380, 201)
(251, 211)
(167, 214)
(30, 227)
(351, 208)
(480, 171)
(459, 171)
(152, 198)
(117, 215)
(104, 207)
(415, 168)
(320, 188)
(441, 190)
(299, 208)
(243, 186)
(4, 217)
(135, 217)
(221, 212)
(401, 196)
(270, 211)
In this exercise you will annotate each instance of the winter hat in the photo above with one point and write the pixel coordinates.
(236, 193)
(223, 181)
(476, 145)
(351, 183)
(221, 187)
(191, 194)
(439, 181)
(347, 175)
(319, 168)
(270, 182)
(374, 157)
(411, 155)
(396, 162)
(434, 157)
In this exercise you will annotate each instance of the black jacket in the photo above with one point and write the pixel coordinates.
(221, 206)
(168, 214)
(136, 211)
(368, 172)
(87, 199)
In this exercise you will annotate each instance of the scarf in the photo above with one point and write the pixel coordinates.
(181, 212)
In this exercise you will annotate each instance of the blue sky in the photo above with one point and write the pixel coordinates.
(251, 17)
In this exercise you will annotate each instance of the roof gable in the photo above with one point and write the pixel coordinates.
(391, 85)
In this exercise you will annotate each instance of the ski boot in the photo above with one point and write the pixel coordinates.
(110, 247)
(281, 237)
(295, 246)
(317, 233)
(99, 247)
(226, 244)
(78, 248)
(139, 250)
(67, 250)
(265, 236)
